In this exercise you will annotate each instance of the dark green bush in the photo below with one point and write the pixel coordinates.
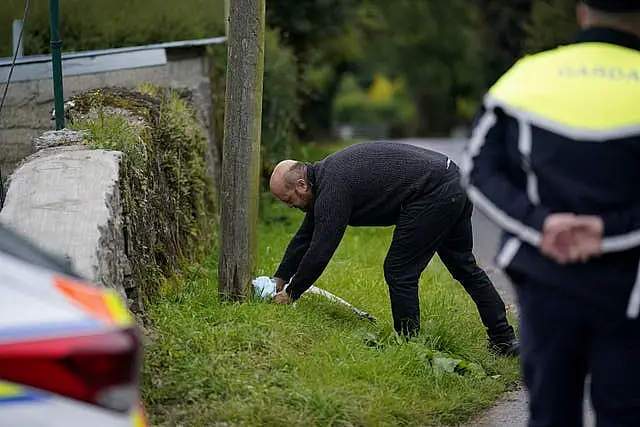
(354, 106)
(280, 103)
(552, 22)
(280, 106)
(357, 108)
(102, 24)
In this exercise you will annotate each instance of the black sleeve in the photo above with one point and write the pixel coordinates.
(622, 229)
(331, 214)
(296, 249)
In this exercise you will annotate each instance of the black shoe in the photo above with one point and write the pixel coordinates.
(510, 348)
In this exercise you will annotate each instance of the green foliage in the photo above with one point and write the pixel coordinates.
(325, 38)
(168, 203)
(280, 105)
(217, 55)
(306, 25)
(447, 51)
(317, 363)
(503, 35)
(444, 36)
(280, 102)
(103, 24)
(552, 22)
(355, 106)
(314, 152)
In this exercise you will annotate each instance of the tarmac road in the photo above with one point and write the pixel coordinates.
(511, 411)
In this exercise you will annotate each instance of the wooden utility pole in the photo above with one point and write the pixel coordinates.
(241, 147)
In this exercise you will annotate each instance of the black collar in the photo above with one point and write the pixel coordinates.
(311, 175)
(609, 35)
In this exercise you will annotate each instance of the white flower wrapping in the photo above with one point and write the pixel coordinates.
(265, 288)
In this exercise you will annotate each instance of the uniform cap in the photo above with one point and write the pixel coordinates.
(615, 6)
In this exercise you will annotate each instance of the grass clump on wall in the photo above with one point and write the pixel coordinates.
(168, 201)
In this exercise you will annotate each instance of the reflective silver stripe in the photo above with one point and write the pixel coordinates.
(633, 308)
(486, 122)
(448, 163)
(525, 145)
(528, 234)
(513, 226)
(532, 188)
(561, 129)
(621, 242)
(508, 252)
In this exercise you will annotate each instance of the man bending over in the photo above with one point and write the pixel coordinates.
(385, 184)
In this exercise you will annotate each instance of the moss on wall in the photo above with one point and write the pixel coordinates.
(168, 201)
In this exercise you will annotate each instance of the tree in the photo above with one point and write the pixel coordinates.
(551, 23)
(320, 33)
(305, 25)
(434, 45)
(503, 34)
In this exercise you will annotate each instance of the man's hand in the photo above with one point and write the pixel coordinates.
(570, 238)
(282, 298)
(279, 284)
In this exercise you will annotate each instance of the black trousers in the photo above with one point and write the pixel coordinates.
(439, 221)
(562, 339)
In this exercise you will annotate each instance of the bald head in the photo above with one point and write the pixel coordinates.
(281, 175)
(289, 184)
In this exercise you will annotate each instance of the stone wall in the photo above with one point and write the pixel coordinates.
(67, 200)
(127, 201)
(28, 106)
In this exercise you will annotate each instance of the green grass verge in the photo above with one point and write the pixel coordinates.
(317, 364)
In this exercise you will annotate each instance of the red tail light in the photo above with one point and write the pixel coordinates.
(101, 369)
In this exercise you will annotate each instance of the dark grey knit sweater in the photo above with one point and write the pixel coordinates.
(362, 185)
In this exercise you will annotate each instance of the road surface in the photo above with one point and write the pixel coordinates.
(511, 411)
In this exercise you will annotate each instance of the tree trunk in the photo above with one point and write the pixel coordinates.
(241, 148)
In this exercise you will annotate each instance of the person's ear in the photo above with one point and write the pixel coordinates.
(301, 185)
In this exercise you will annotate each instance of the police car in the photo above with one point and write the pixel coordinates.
(70, 353)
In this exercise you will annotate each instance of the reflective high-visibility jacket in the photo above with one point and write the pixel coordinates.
(560, 132)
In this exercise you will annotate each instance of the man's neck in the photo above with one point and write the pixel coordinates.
(612, 25)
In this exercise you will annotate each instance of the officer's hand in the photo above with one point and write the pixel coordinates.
(588, 232)
(558, 237)
(572, 238)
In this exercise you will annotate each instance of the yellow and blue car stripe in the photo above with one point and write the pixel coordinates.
(13, 393)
